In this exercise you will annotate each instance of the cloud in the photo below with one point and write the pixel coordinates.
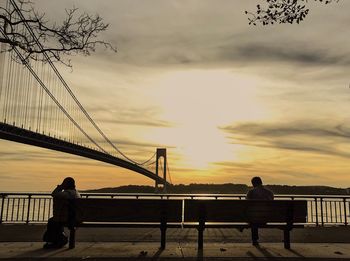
(138, 144)
(294, 128)
(44, 156)
(208, 50)
(202, 34)
(139, 122)
(240, 168)
(144, 116)
(298, 136)
(296, 53)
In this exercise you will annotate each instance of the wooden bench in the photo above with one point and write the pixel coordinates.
(138, 213)
(165, 213)
(282, 214)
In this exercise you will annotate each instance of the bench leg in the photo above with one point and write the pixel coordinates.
(72, 238)
(287, 238)
(162, 238)
(200, 238)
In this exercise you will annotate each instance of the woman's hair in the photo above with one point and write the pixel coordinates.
(68, 183)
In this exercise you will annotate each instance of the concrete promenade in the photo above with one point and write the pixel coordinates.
(23, 242)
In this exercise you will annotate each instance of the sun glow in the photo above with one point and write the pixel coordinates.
(198, 103)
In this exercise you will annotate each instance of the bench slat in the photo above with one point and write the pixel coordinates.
(123, 210)
(253, 211)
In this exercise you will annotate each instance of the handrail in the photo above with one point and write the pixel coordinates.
(177, 195)
(36, 207)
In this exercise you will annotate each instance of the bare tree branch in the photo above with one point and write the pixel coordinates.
(77, 34)
(281, 11)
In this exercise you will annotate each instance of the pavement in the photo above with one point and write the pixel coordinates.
(34, 233)
(174, 250)
(23, 242)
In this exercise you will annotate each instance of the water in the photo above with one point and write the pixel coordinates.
(38, 209)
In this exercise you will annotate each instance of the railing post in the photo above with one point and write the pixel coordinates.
(201, 225)
(322, 221)
(28, 209)
(2, 206)
(316, 208)
(163, 228)
(345, 213)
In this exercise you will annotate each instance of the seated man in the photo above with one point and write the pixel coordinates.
(54, 235)
(259, 192)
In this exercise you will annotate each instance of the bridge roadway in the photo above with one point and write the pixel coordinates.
(22, 242)
(13, 133)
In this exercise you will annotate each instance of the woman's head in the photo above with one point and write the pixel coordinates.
(68, 183)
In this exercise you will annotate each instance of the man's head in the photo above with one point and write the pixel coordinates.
(68, 183)
(256, 181)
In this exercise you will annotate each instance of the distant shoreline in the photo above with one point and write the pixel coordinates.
(228, 188)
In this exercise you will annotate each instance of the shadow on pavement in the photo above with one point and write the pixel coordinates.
(295, 253)
(40, 252)
(264, 251)
(157, 254)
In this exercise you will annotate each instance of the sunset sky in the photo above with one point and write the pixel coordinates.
(228, 100)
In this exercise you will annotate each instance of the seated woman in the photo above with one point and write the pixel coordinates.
(54, 235)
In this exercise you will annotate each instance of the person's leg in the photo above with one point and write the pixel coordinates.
(54, 235)
(50, 234)
(64, 238)
(60, 237)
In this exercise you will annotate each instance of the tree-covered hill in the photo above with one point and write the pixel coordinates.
(227, 188)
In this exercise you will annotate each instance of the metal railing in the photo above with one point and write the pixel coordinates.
(37, 207)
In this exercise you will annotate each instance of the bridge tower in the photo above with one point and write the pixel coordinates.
(161, 153)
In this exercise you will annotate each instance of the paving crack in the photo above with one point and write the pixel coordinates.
(180, 247)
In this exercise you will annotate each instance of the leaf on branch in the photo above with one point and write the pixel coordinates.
(281, 11)
(23, 28)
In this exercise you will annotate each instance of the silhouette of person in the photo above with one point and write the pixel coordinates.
(259, 192)
(54, 235)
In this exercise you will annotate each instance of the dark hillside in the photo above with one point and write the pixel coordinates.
(228, 188)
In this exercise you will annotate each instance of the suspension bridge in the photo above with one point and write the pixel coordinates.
(38, 108)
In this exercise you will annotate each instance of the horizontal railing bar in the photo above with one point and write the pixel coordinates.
(84, 194)
(322, 209)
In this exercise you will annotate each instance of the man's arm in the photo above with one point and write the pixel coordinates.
(58, 192)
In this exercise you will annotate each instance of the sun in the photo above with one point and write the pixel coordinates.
(198, 103)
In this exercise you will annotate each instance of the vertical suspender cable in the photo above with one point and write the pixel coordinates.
(8, 89)
(26, 86)
(79, 114)
(2, 70)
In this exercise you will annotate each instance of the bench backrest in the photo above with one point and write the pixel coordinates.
(119, 210)
(254, 211)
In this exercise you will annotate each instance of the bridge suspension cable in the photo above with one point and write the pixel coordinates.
(68, 89)
(37, 107)
(53, 98)
(168, 171)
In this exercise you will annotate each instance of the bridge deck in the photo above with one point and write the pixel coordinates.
(16, 134)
